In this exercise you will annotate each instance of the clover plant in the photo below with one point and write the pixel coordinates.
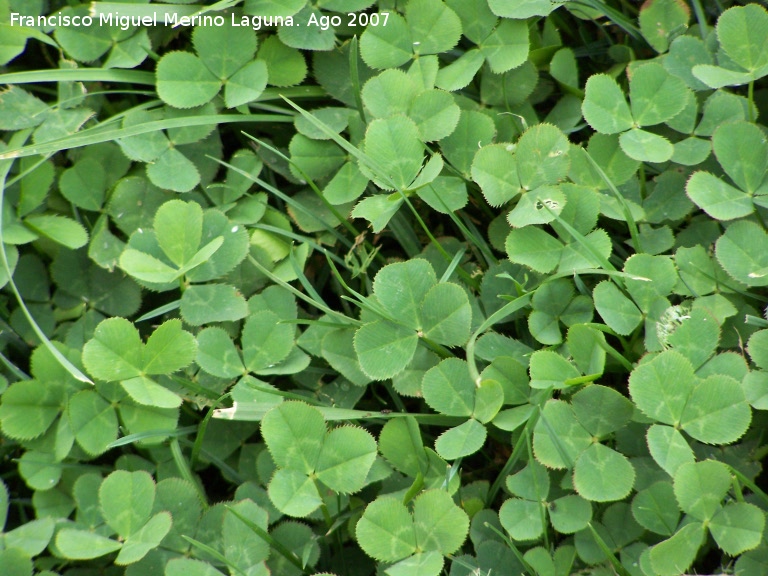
(394, 287)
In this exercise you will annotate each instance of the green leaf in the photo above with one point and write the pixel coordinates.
(345, 459)
(618, 311)
(757, 348)
(668, 448)
(145, 267)
(60, 229)
(446, 314)
(84, 184)
(542, 156)
(550, 370)
(473, 131)
(294, 432)
(224, 49)
(149, 393)
(570, 514)
(294, 493)
(247, 84)
(126, 499)
(385, 531)
(178, 229)
(435, 113)
(718, 199)
(655, 94)
(534, 248)
(646, 146)
(662, 20)
(661, 388)
(740, 31)
(448, 388)
(459, 74)
(183, 81)
(189, 567)
(173, 171)
(402, 287)
(19, 109)
(434, 27)
(602, 474)
(743, 252)
(207, 303)
(655, 508)
(145, 539)
(391, 92)
(507, 46)
(285, 66)
(387, 46)
(531, 483)
(243, 546)
(384, 349)
(717, 411)
(29, 408)
(673, 556)
(539, 206)
(742, 151)
(168, 349)
(395, 145)
(604, 107)
(439, 524)
(81, 545)
(266, 341)
(522, 8)
(463, 440)
(558, 438)
(522, 519)
(700, 487)
(601, 410)
(115, 351)
(494, 169)
(738, 527)
(93, 421)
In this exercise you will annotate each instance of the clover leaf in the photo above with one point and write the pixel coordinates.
(413, 305)
(388, 531)
(655, 96)
(340, 458)
(744, 60)
(224, 58)
(116, 353)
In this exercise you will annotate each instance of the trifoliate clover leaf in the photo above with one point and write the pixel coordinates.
(224, 49)
(655, 95)
(387, 531)
(116, 353)
(712, 410)
(305, 451)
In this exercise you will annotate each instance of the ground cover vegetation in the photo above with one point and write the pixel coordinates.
(406, 288)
